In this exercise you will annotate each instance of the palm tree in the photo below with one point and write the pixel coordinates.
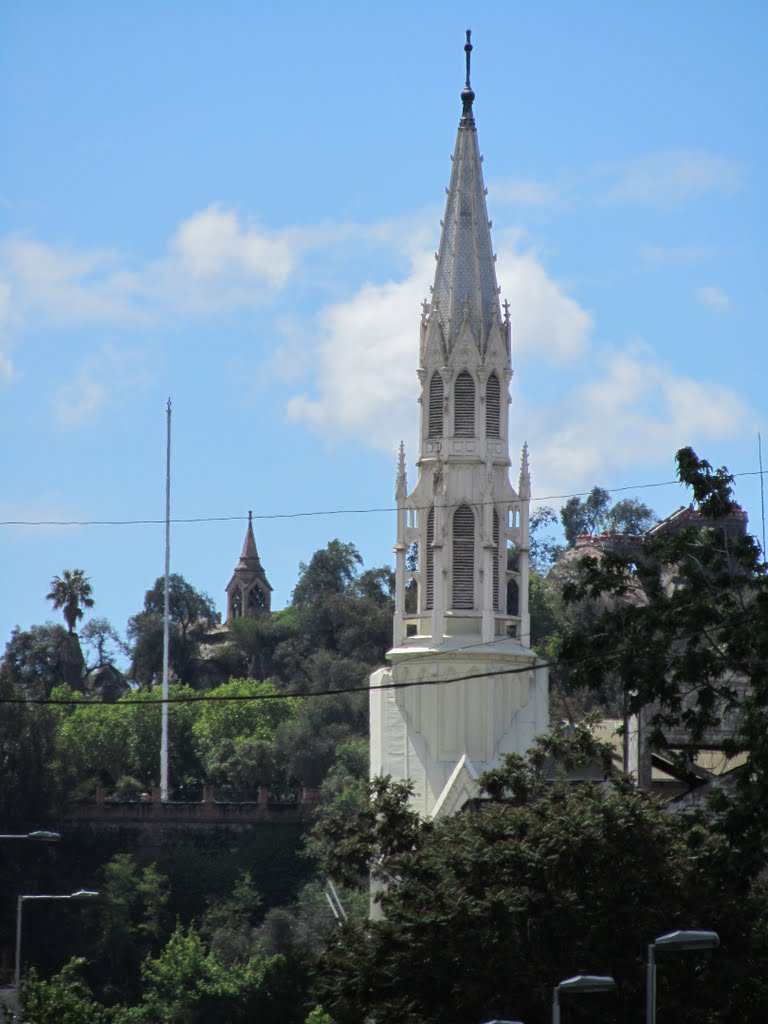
(72, 593)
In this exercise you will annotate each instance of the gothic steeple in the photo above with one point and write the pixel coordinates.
(464, 516)
(465, 289)
(249, 591)
(462, 547)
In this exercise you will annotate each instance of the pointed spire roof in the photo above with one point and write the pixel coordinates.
(401, 487)
(249, 556)
(465, 286)
(524, 486)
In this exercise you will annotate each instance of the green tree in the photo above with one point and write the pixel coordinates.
(27, 750)
(100, 742)
(72, 592)
(41, 657)
(132, 922)
(595, 514)
(187, 983)
(190, 613)
(684, 628)
(104, 641)
(63, 999)
(485, 911)
(543, 550)
(256, 640)
(342, 609)
(234, 737)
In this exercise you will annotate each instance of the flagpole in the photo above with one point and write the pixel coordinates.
(166, 604)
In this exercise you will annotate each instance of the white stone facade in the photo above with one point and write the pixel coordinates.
(461, 624)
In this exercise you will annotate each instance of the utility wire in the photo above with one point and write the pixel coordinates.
(361, 688)
(318, 513)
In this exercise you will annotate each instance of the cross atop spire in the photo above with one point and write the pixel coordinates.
(467, 96)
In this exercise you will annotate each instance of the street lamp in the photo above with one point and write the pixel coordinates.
(40, 836)
(677, 942)
(580, 983)
(81, 894)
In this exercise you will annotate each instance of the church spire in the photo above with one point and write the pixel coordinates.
(249, 591)
(249, 556)
(465, 288)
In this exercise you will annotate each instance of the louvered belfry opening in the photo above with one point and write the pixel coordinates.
(436, 405)
(493, 407)
(495, 560)
(430, 560)
(463, 557)
(464, 406)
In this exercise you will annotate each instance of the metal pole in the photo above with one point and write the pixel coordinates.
(650, 986)
(555, 1006)
(17, 968)
(166, 606)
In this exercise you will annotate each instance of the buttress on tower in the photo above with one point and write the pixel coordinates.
(465, 687)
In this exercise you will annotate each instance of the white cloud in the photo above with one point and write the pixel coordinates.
(213, 262)
(671, 177)
(66, 286)
(108, 376)
(545, 320)
(213, 244)
(368, 347)
(366, 384)
(632, 411)
(714, 297)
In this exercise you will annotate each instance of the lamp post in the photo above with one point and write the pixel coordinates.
(677, 942)
(580, 983)
(40, 836)
(81, 894)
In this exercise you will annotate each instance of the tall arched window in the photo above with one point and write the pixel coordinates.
(436, 405)
(513, 598)
(495, 560)
(430, 560)
(464, 405)
(463, 557)
(493, 407)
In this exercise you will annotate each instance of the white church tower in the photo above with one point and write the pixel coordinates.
(465, 686)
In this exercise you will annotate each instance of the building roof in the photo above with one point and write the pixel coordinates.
(465, 279)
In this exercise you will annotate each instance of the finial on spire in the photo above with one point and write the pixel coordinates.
(524, 487)
(401, 487)
(250, 517)
(467, 96)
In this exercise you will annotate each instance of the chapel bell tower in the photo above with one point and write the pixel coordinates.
(461, 624)
(249, 593)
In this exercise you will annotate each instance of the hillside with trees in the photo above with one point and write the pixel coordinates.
(483, 911)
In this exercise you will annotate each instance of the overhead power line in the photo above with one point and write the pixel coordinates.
(317, 513)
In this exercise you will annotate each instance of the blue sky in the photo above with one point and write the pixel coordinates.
(236, 205)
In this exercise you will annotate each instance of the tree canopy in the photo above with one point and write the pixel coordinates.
(486, 910)
(685, 634)
(595, 514)
(73, 593)
(190, 613)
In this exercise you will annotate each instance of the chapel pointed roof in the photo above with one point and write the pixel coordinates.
(465, 286)
(249, 556)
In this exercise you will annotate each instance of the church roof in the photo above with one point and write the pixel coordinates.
(249, 557)
(465, 279)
